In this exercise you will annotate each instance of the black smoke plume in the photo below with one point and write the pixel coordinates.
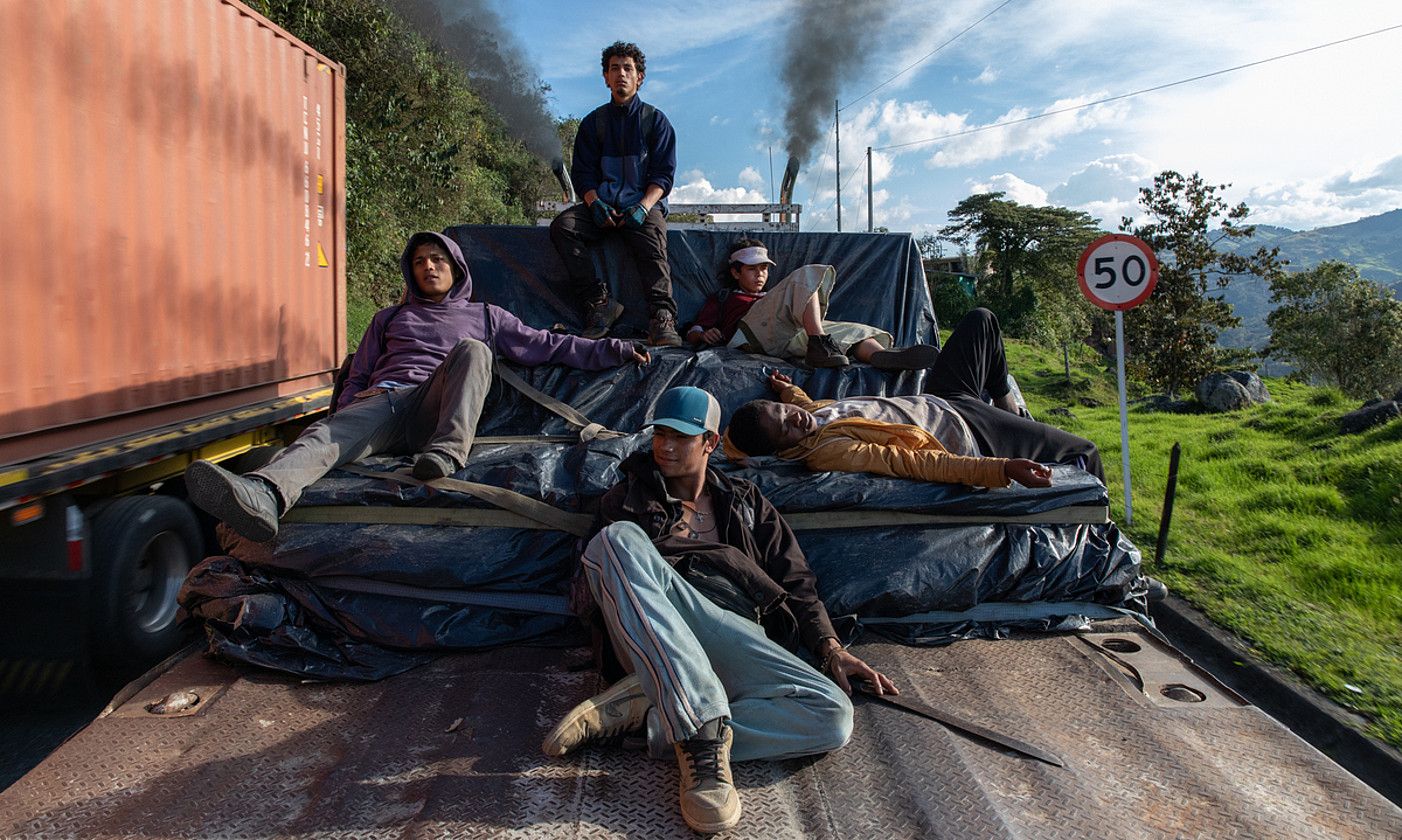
(472, 34)
(828, 42)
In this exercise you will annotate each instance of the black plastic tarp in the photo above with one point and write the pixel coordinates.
(340, 588)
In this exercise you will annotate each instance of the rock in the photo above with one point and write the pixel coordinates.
(1220, 392)
(1371, 414)
(1253, 385)
(1168, 405)
(1060, 411)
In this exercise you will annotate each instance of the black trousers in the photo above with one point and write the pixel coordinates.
(972, 363)
(574, 234)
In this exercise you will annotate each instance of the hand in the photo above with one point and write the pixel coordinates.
(843, 666)
(640, 354)
(713, 336)
(778, 382)
(604, 215)
(1028, 473)
(634, 216)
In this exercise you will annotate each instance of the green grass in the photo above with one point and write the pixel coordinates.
(1283, 530)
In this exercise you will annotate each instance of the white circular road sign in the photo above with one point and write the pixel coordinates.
(1117, 271)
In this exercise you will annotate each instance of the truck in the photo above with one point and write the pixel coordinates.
(174, 282)
(389, 665)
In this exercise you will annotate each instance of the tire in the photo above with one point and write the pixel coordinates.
(142, 549)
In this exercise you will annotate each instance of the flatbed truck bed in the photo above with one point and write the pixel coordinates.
(1152, 748)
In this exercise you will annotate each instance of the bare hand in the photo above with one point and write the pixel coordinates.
(1028, 473)
(713, 336)
(778, 382)
(844, 665)
(641, 356)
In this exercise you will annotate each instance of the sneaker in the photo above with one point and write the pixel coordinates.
(431, 465)
(914, 357)
(822, 352)
(604, 718)
(599, 316)
(1157, 590)
(709, 800)
(248, 505)
(662, 330)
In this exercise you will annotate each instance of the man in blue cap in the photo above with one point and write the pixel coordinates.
(706, 596)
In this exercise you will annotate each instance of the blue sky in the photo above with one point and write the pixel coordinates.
(1306, 141)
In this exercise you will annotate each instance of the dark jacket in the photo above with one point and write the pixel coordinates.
(760, 555)
(630, 156)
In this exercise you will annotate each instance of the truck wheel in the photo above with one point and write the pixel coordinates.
(143, 546)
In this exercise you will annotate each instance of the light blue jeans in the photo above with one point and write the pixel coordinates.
(697, 661)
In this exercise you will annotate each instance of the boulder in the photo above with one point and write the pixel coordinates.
(1231, 391)
(1371, 414)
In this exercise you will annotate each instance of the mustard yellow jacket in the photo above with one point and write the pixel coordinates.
(856, 444)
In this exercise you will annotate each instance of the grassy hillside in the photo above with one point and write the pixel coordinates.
(1283, 531)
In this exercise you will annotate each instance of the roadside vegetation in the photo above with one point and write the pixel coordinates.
(1283, 530)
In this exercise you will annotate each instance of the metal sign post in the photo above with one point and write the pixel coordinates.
(1123, 273)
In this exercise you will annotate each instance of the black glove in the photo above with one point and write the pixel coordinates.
(603, 214)
(634, 216)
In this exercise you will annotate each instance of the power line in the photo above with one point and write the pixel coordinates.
(833, 203)
(813, 187)
(923, 58)
(1083, 106)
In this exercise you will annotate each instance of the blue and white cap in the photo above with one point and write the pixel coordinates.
(689, 410)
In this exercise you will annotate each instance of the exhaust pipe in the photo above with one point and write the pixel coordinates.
(563, 176)
(787, 184)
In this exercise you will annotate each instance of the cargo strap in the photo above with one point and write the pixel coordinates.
(995, 611)
(1071, 515)
(532, 510)
(531, 602)
(588, 429)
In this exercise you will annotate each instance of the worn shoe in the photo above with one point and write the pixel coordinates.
(709, 800)
(599, 316)
(822, 352)
(618, 712)
(914, 357)
(662, 330)
(1157, 590)
(431, 465)
(247, 505)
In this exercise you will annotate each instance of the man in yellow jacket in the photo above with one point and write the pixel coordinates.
(952, 434)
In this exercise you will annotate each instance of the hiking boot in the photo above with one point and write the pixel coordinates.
(431, 465)
(662, 330)
(248, 505)
(914, 357)
(599, 316)
(822, 352)
(709, 800)
(604, 718)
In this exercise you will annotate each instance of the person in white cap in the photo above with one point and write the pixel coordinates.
(707, 596)
(789, 318)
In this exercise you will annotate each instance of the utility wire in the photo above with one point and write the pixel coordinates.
(833, 203)
(813, 185)
(1083, 106)
(923, 58)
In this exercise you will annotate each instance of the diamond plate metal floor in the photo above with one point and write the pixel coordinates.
(451, 750)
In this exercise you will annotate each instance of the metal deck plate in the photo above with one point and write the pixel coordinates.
(267, 757)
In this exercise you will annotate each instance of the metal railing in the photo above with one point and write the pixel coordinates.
(761, 217)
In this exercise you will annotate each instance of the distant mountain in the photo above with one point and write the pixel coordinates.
(1373, 244)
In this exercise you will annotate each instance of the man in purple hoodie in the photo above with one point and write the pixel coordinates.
(417, 383)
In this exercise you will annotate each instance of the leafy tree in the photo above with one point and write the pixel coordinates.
(1026, 259)
(1171, 339)
(1334, 325)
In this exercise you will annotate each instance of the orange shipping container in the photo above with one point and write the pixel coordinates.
(172, 213)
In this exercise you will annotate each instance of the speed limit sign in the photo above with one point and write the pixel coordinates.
(1117, 271)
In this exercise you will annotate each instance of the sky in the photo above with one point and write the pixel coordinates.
(1306, 141)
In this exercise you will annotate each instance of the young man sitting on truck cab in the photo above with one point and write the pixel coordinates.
(416, 384)
(625, 157)
(706, 593)
(949, 434)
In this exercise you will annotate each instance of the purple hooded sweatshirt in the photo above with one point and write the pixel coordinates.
(404, 344)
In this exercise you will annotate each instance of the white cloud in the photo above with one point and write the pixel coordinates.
(987, 77)
(1015, 188)
(750, 177)
(1035, 137)
(699, 190)
(719, 120)
(1107, 188)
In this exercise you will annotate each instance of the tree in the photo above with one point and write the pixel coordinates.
(1028, 256)
(1335, 326)
(1171, 339)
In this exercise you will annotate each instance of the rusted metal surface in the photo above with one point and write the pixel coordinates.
(173, 183)
(271, 758)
